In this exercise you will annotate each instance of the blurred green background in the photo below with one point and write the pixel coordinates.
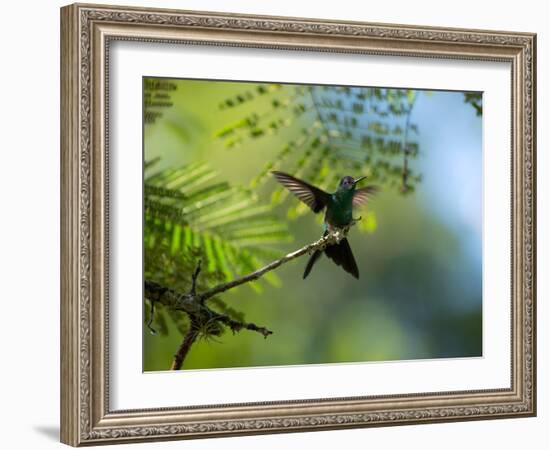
(419, 255)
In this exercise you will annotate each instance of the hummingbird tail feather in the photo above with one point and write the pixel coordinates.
(312, 260)
(342, 255)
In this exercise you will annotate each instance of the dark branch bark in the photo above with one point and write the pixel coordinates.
(193, 303)
(317, 245)
(185, 346)
(150, 321)
(236, 326)
(193, 289)
(188, 302)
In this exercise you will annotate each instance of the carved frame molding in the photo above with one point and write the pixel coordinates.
(86, 32)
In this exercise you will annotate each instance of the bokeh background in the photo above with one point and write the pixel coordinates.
(420, 254)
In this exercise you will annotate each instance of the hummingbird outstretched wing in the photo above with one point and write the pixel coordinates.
(361, 196)
(313, 197)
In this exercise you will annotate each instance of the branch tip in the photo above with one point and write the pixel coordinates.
(194, 277)
(151, 315)
(193, 303)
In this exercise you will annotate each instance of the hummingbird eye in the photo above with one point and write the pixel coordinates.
(347, 182)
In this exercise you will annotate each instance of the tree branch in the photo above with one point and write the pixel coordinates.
(405, 187)
(331, 238)
(185, 346)
(187, 302)
(200, 315)
(237, 326)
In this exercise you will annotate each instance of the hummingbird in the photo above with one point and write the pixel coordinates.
(339, 213)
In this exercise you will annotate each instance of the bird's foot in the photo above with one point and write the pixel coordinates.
(354, 221)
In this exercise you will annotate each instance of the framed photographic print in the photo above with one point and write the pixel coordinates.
(276, 224)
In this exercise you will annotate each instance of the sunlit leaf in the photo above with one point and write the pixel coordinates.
(368, 222)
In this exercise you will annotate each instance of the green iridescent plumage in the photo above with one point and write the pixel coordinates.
(339, 213)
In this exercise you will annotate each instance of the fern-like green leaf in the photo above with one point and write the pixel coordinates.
(189, 218)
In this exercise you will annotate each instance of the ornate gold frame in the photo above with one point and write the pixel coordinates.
(86, 31)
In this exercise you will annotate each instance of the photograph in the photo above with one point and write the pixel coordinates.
(289, 224)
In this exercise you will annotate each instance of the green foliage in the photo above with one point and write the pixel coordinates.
(318, 133)
(190, 216)
(156, 97)
(333, 130)
(474, 99)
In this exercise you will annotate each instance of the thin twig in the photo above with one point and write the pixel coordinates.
(319, 115)
(406, 152)
(333, 237)
(236, 325)
(183, 350)
(151, 315)
(193, 303)
(186, 302)
(194, 277)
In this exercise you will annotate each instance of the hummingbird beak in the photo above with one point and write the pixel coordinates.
(358, 180)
